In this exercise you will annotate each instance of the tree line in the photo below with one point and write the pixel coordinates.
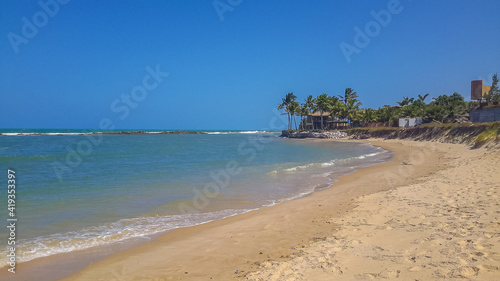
(444, 108)
(339, 107)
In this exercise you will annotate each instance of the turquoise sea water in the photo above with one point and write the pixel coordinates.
(75, 191)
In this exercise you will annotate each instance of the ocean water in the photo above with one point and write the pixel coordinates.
(74, 192)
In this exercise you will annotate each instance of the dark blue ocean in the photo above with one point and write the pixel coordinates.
(75, 191)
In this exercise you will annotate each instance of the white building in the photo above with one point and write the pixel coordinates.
(409, 122)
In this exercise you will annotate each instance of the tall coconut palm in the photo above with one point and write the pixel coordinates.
(285, 105)
(406, 101)
(322, 104)
(293, 108)
(422, 98)
(310, 103)
(304, 111)
(351, 104)
(348, 95)
(352, 108)
(309, 106)
(336, 107)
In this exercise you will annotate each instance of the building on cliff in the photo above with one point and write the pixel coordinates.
(410, 122)
(478, 90)
(313, 122)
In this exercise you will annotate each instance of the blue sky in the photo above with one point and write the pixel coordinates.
(229, 62)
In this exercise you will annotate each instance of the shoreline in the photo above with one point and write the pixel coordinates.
(75, 261)
(240, 243)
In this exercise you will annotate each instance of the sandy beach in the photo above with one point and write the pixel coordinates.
(432, 213)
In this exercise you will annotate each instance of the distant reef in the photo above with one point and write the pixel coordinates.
(109, 133)
(150, 133)
(315, 135)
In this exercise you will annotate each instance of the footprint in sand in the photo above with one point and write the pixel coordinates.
(464, 272)
(416, 268)
(487, 267)
(390, 274)
(366, 276)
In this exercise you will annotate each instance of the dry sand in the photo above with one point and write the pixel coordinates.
(432, 213)
(445, 227)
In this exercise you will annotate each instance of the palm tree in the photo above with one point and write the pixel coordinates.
(412, 111)
(310, 103)
(322, 104)
(309, 106)
(422, 98)
(387, 113)
(348, 95)
(294, 107)
(285, 104)
(351, 104)
(336, 107)
(368, 115)
(304, 111)
(352, 108)
(406, 101)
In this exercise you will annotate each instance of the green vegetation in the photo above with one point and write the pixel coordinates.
(485, 137)
(491, 133)
(347, 107)
(443, 109)
(494, 93)
(476, 134)
(289, 105)
(339, 108)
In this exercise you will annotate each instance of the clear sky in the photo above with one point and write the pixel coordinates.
(70, 64)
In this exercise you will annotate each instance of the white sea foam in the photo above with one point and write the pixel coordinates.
(298, 195)
(109, 233)
(292, 169)
(44, 134)
(63, 134)
(237, 132)
(252, 132)
(18, 134)
(324, 164)
(327, 164)
(371, 154)
(323, 175)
